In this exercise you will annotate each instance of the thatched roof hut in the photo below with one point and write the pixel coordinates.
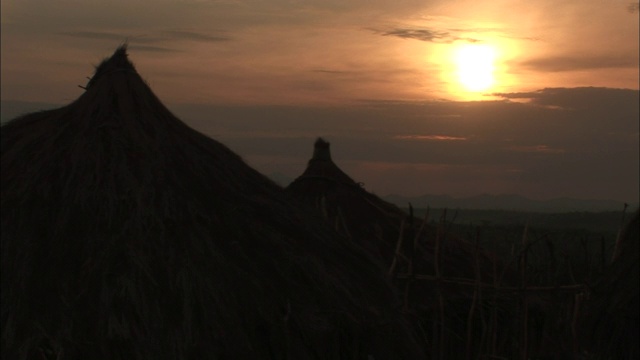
(128, 235)
(376, 224)
(352, 210)
(611, 324)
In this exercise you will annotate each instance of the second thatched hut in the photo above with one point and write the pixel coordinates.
(388, 233)
(436, 272)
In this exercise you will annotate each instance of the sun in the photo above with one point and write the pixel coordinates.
(475, 66)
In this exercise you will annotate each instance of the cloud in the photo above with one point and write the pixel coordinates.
(577, 63)
(582, 98)
(194, 36)
(151, 48)
(444, 29)
(95, 35)
(139, 43)
(543, 149)
(160, 36)
(326, 71)
(154, 42)
(430, 137)
(495, 31)
(427, 35)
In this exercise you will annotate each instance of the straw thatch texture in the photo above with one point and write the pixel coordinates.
(611, 325)
(128, 235)
(377, 225)
(352, 210)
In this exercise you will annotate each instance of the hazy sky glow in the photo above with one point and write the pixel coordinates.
(380, 79)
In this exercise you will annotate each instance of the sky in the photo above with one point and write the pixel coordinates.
(535, 98)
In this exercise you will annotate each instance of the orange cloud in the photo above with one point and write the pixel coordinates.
(536, 149)
(429, 137)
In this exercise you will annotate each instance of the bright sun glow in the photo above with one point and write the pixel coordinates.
(475, 66)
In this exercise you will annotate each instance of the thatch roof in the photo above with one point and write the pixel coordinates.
(354, 212)
(128, 235)
(611, 325)
(375, 223)
(377, 226)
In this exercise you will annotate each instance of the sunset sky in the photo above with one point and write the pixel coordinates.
(536, 98)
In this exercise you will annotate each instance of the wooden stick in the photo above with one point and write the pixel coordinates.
(494, 304)
(483, 320)
(416, 237)
(474, 300)
(576, 312)
(398, 246)
(603, 259)
(524, 350)
(616, 248)
(436, 263)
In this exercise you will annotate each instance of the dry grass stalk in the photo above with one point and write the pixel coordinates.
(416, 239)
(392, 268)
(477, 297)
(616, 248)
(524, 309)
(603, 256)
(577, 307)
(341, 223)
(493, 334)
(440, 319)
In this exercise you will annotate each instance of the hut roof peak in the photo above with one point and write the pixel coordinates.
(321, 150)
(321, 165)
(119, 61)
(117, 95)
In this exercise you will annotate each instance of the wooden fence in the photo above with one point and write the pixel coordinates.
(470, 318)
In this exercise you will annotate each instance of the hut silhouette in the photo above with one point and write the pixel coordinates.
(402, 245)
(353, 211)
(128, 235)
(374, 223)
(610, 326)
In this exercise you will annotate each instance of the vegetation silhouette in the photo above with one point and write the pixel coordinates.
(610, 327)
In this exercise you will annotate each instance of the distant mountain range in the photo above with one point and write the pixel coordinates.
(508, 202)
(494, 202)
